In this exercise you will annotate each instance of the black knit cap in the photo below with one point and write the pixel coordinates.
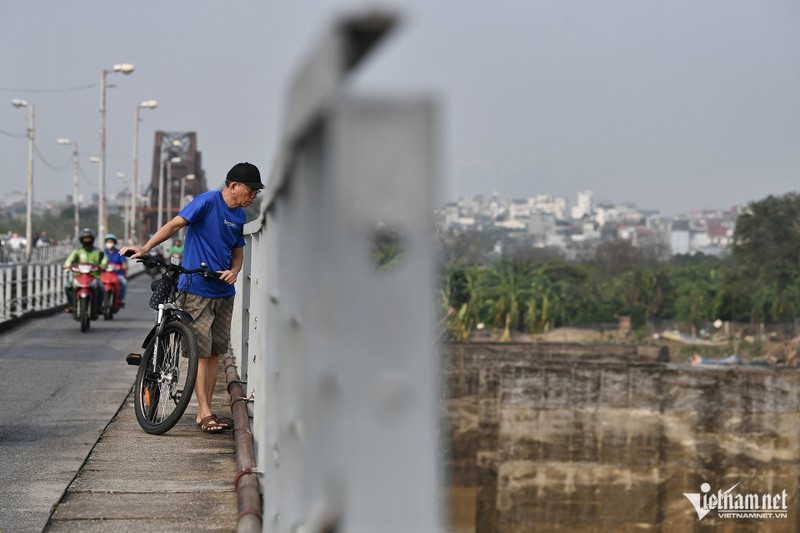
(246, 173)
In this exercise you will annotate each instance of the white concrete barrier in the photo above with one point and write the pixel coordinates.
(334, 324)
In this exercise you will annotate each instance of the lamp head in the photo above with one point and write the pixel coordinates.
(16, 102)
(149, 104)
(125, 68)
(64, 141)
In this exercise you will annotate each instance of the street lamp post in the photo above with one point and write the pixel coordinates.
(123, 208)
(183, 198)
(75, 193)
(31, 112)
(160, 214)
(171, 161)
(147, 104)
(183, 190)
(125, 68)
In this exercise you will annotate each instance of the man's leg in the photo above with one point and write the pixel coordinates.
(216, 338)
(204, 388)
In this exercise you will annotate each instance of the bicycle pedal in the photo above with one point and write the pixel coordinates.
(133, 359)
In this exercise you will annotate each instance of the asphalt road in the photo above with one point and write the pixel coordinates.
(60, 388)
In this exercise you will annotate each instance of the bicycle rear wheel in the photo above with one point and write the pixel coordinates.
(166, 378)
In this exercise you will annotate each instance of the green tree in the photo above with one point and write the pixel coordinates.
(696, 288)
(767, 241)
(507, 286)
(544, 307)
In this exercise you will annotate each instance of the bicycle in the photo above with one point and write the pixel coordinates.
(168, 368)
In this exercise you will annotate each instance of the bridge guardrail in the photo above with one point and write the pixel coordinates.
(31, 287)
(27, 288)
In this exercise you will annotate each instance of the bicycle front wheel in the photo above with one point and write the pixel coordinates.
(165, 380)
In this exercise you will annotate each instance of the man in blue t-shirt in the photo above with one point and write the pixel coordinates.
(214, 222)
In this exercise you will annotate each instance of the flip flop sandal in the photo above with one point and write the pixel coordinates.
(224, 423)
(210, 425)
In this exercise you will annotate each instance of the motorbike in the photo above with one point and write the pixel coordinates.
(111, 286)
(84, 286)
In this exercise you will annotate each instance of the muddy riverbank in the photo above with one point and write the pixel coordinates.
(609, 438)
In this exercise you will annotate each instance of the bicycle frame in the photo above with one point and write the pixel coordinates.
(166, 311)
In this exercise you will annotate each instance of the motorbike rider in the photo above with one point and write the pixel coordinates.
(87, 253)
(114, 257)
(176, 250)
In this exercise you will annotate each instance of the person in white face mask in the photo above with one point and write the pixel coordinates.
(121, 262)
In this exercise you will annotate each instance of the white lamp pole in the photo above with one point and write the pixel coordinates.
(160, 215)
(31, 112)
(183, 198)
(123, 207)
(169, 185)
(75, 193)
(165, 153)
(147, 104)
(183, 190)
(125, 68)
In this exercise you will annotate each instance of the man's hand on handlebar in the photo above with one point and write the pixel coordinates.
(228, 276)
(132, 251)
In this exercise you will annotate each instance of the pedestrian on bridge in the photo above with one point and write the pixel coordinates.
(17, 245)
(214, 235)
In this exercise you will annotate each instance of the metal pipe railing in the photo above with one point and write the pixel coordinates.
(245, 484)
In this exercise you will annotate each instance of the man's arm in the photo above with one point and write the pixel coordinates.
(165, 232)
(237, 258)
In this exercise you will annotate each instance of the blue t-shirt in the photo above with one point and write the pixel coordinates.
(214, 231)
(116, 258)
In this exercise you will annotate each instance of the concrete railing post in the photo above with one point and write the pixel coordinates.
(336, 341)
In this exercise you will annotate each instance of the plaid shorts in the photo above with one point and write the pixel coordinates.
(212, 322)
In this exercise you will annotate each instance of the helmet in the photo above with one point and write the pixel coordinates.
(111, 237)
(86, 234)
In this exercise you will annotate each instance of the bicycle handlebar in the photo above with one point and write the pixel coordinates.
(151, 261)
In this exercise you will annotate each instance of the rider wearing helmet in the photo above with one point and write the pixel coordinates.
(87, 253)
(114, 258)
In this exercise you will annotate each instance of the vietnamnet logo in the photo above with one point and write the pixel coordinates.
(728, 504)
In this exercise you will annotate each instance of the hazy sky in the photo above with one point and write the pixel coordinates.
(669, 104)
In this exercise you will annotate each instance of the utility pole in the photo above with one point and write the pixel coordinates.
(28, 230)
(147, 104)
(75, 193)
(125, 68)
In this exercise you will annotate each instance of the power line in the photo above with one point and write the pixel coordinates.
(15, 135)
(61, 90)
(46, 163)
(92, 183)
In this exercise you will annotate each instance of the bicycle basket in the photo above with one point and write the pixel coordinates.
(162, 292)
